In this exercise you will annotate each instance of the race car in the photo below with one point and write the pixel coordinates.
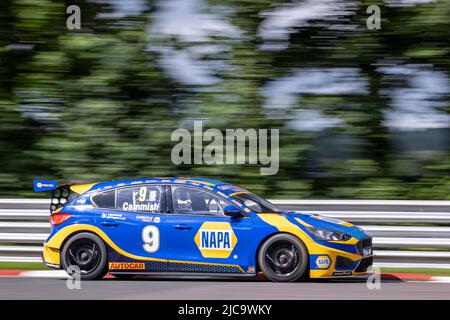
(193, 226)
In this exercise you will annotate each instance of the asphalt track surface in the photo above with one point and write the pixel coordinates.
(211, 289)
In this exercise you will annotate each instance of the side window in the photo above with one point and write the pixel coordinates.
(194, 201)
(105, 199)
(140, 199)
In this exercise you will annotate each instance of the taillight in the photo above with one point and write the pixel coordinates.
(58, 218)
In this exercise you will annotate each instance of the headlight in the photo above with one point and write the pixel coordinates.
(324, 234)
(367, 251)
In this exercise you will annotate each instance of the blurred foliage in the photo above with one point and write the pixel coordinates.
(99, 104)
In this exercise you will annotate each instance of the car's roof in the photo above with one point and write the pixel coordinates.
(214, 185)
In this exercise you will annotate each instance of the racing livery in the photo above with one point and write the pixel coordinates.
(193, 226)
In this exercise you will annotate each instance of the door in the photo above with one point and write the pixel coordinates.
(200, 232)
(135, 224)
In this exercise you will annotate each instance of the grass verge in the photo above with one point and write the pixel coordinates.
(433, 272)
(22, 266)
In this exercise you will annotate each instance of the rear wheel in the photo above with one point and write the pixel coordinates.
(283, 258)
(87, 253)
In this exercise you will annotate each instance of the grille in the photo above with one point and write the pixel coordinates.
(364, 264)
(343, 263)
(367, 242)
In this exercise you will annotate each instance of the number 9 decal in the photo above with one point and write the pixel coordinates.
(150, 236)
(142, 193)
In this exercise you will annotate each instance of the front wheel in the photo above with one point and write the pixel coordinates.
(85, 252)
(283, 258)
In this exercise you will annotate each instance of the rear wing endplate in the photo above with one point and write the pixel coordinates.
(44, 185)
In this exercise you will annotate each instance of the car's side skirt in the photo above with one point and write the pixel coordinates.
(187, 274)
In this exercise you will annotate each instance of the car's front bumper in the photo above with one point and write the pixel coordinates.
(331, 262)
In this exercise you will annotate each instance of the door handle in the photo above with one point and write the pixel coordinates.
(183, 227)
(109, 223)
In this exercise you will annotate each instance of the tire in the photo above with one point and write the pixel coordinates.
(283, 258)
(87, 252)
(123, 276)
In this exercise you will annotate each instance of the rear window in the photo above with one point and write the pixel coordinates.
(105, 200)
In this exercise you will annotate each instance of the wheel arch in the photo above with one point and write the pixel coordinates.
(74, 233)
(101, 262)
(258, 268)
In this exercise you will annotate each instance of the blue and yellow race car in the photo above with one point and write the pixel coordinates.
(193, 226)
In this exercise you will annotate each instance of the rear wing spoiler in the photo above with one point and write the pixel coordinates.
(61, 194)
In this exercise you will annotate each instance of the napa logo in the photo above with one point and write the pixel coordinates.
(215, 240)
(323, 262)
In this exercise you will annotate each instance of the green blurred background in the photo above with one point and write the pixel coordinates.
(362, 113)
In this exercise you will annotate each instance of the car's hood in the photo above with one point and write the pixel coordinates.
(323, 222)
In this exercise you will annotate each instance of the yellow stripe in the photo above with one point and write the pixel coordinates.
(239, 192)
(81, 188)
(57, 210)
(347, 224)
(350, 241)
(303, 223)
(57, 240)
(201, 182)
(284, 225)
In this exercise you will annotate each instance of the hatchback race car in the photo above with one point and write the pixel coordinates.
(193, 226)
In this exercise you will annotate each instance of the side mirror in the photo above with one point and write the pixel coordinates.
(232, 211)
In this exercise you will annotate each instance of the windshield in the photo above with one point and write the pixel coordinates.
(256, 203)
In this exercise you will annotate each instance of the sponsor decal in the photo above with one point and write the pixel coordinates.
(81, 201)
(151, 207)
(44, 185)
(127, 265)
(230, 187)
(323, 262)
(145, 218)
(114, 216)
(215, 239)
(251, 269)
